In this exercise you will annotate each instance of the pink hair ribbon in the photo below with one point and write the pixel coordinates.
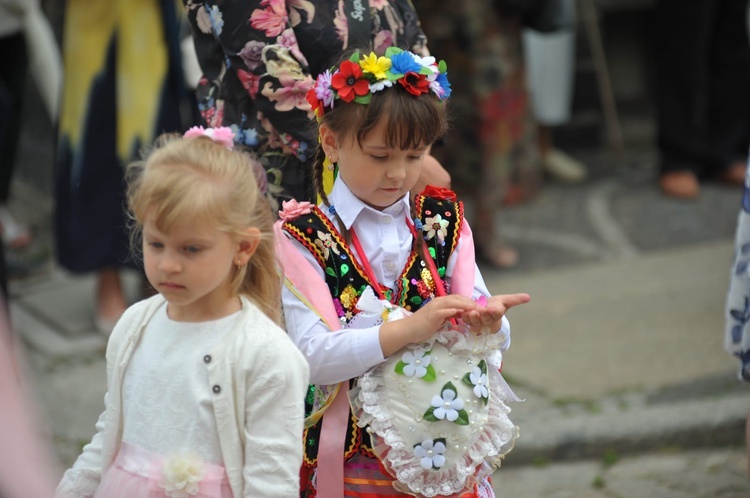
(222, 135)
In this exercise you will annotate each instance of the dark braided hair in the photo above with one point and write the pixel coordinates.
(318, 167)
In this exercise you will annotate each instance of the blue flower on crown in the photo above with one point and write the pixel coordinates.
(444, 86)
(404, 63)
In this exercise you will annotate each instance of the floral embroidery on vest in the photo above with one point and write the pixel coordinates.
(344, 276)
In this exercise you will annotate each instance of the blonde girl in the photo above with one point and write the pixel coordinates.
(372, 243)
(204, 388)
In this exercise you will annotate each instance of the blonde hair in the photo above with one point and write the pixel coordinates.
(197, 179)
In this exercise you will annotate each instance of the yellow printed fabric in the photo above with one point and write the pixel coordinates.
(123, 86)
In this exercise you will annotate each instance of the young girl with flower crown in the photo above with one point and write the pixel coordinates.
(383, 297)
(205, 389)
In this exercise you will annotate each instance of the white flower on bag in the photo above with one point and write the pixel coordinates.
(181, 475)
(481, 383)
(447, 405)
(431, 454)
(416, 363)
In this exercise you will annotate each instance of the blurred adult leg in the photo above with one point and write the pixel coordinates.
(729, 105)
(13, 66)
(683, 31)
(688, 36)
(550, 63)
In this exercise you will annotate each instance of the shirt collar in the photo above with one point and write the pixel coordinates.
(348, 206)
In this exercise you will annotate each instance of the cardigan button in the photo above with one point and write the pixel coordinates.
(207, 358)
(216, 389)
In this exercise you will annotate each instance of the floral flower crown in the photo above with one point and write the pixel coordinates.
(356, 79)
(222, 135)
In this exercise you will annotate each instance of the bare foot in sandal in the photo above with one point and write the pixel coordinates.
(15, 235)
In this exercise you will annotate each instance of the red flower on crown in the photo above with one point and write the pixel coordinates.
(314, 102)
(348, 81)
(415, 83)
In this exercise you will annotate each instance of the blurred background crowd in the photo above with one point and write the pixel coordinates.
(534, 83)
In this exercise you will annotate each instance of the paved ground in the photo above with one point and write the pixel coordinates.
(619, 355)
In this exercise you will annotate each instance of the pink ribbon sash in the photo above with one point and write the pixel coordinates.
(330, 475)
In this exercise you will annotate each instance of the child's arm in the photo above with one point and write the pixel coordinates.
(82, 479)
(334, 356)
(274, 421)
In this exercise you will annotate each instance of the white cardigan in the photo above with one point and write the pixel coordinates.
(262, 379)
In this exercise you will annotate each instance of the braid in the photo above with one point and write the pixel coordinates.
(318, 166)
(419, 242)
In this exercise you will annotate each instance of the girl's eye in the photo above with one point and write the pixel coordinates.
(416, 158)
(379, 158)
(192, 249)
(156, 245)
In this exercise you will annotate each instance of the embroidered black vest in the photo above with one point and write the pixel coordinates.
(439, 223)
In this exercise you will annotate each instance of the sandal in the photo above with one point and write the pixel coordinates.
(14, 234)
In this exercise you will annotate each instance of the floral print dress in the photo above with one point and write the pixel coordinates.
(259, 59)
(737, 334)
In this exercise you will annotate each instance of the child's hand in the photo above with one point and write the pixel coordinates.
(429, 318)
(420, 326)
(488, 319)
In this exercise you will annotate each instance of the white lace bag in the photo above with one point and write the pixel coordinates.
(436, 411)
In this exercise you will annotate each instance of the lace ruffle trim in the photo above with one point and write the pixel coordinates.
(495, 440)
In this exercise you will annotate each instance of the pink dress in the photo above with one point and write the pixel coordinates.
(139, 472)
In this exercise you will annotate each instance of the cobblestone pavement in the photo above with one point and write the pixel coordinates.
(705, 473)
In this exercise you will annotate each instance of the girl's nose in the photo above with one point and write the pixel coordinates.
(169, 263)
(397, 171)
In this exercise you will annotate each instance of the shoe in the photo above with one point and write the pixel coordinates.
(680, 184)
(14, 234)
(734, 174)
(563, 167)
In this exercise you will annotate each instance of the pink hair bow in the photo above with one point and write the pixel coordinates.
(222, 135)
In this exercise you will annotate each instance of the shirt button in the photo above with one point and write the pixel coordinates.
(216, 389)
(390, 266)
(387, 220)
(207, 358)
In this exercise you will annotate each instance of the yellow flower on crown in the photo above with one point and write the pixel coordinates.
(377, 66)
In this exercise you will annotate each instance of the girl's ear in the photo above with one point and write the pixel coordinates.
(328, 142)
(248, 243)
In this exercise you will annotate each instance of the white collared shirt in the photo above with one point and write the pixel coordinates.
(336, 356)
